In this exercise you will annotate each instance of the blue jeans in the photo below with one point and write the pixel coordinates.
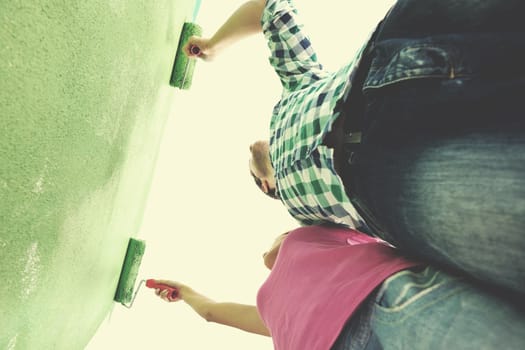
(440, 171)
(433, 310)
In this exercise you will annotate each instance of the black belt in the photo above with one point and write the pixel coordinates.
(352, 134)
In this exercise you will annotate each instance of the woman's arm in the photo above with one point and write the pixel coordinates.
(245, 317)
(245, 21)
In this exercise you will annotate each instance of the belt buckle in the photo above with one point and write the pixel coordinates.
(352, 138)
(351, 141)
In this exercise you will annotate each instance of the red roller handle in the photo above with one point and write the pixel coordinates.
(195, 50)
(173, 293)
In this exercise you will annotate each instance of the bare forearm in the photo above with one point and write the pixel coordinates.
(198, 302)
(244, 317)
(245, 21)
(241, 316)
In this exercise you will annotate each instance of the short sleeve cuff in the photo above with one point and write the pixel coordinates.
(273, 9)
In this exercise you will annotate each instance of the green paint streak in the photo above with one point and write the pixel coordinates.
(84, 99)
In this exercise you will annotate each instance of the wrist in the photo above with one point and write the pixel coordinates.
(185, 292)
(214, 45)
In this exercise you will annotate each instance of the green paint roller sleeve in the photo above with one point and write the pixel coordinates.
(129, 272)
(182, 73)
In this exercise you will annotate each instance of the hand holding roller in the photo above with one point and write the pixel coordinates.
(182, 72)
(195, 50)
(173, 293)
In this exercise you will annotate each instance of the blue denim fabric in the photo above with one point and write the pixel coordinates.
(494, 57)
(440, 172)
(357, 333)
(423, 18)
(452, 198)
(431, 310)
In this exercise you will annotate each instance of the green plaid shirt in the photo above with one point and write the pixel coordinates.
(307, 182)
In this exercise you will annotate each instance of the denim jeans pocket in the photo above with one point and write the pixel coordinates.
(409, 292)
(433, 310)
(416, 61)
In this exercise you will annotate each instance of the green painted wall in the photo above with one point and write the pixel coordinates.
(84, 97)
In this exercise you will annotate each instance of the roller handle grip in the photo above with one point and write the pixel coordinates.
(195, 50)
(173, 293)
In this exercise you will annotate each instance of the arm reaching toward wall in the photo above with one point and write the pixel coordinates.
(241, 316)
(245, 21)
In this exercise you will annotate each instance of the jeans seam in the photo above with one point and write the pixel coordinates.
(391, 279)
(410, 78)
(407, 287)
(401, 319)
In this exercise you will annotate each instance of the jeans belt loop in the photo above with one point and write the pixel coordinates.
(351, 142)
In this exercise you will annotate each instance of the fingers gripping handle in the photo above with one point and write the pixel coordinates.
(173, 293)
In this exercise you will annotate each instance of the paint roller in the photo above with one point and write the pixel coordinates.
(128, 276)
(183, 67)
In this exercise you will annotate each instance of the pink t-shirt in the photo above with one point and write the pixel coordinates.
(320, 277)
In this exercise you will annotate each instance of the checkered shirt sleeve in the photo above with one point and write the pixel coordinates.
(307, 182)
(292, 55)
